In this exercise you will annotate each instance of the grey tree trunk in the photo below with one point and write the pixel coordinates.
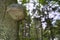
(8, 27)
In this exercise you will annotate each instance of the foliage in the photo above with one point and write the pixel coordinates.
(36, 28)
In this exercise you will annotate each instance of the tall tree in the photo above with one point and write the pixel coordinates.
(8, 27)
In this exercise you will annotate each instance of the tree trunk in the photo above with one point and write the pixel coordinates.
(8, 27)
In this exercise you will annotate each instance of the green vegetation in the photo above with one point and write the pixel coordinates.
(32, 27)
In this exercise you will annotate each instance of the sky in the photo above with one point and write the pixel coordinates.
(30, 7)
(51, 14)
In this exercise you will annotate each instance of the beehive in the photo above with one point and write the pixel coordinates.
(16, 11)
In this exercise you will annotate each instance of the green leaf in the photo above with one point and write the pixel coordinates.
(43, 2)
(59, 2)
(56, 0)
(24, 1)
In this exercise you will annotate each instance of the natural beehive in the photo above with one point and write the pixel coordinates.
(16, 11)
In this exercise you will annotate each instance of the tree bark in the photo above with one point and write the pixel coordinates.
(8, 27)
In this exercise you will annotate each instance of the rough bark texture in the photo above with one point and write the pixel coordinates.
(8, 27)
